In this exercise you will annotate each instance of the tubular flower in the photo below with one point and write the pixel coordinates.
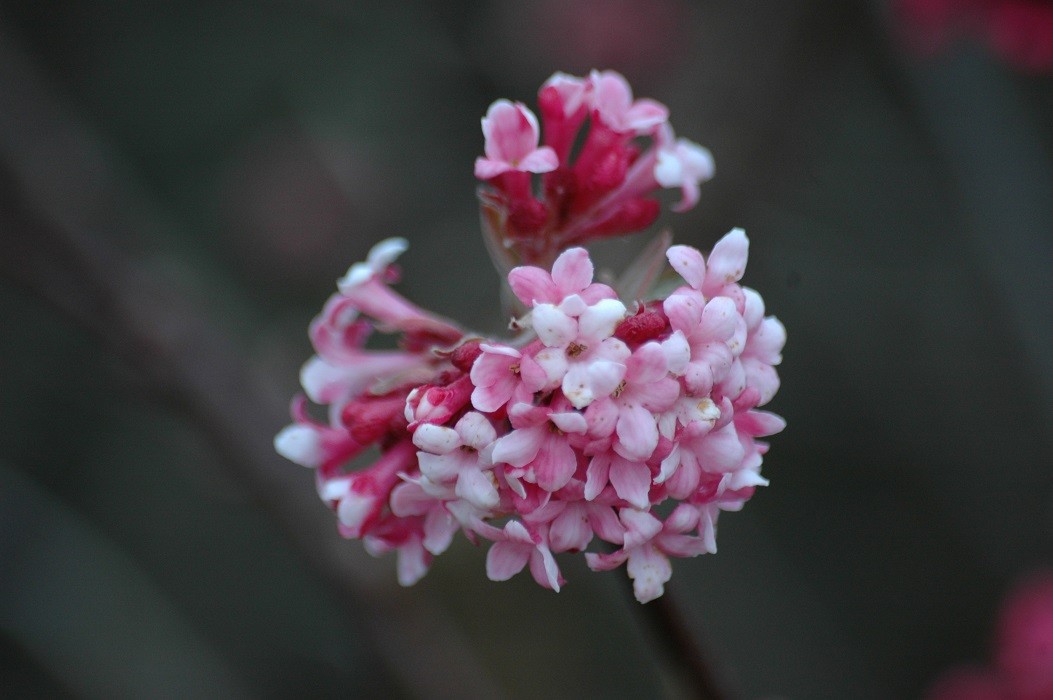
(595, 425)
(627, 153)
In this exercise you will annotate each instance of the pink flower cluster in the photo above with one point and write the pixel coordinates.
(1023, 663)
(600, 424)
(602, 189)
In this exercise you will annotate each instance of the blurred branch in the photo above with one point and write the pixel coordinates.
(55, 194)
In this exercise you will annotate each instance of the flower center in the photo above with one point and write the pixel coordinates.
(575, 349)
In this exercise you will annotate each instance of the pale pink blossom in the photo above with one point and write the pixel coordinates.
(647, 546)
(501, 370)
(631, 480)
(512, 134)
(646, 391)
(519, 546)
(420, 497)
(572, 524)
(717, 276)
(612, 99)
(571, 275)
(538, 445)
(709, 329)
(451, 455)
(684, 164)
(573, 92)
(587, 426)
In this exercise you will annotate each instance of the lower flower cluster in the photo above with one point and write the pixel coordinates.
(600, 424)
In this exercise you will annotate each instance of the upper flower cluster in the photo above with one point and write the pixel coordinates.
(631, 427)
(604, 187)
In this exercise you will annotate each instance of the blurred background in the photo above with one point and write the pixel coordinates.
(181, 185)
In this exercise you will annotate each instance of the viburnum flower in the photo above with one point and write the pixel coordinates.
(627, 153)
(573, 434)
(616, 428)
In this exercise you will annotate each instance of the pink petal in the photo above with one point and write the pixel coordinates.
(683, 545)
(477, 487)
(688, 263)
(599, 320)
(727, 261)
(408, 499)
(486, 168)
(596, 291)
(585, 382)
(555, 464)
(631, 481)
(650, 570)
(637, 434)
(511, 132)
(572, 91)
(759, 423)
(719, 319)
(668, 466)
(506, 559)
(646, 114)
(413, 563)
(436, 439)
(658, 396)
(753, 310)
(601, 416)
(607, 561)
(531, 373)
(542, 160)
(439, 529)
(301, 444)
(570, 530)
(553, 364)
(640, 526)
(475, 430)
(532, 284)
(543, 568)
(720, 451)
(490, 398)
(553, 327)
(611, 96)
(647, 364)
(572, 272)
(689, 196)
(518, 448)
(767, 341)
(570, 422)
(684, 518)
(604, 522)
(677, 352)
(596, 476)
(684, 311)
